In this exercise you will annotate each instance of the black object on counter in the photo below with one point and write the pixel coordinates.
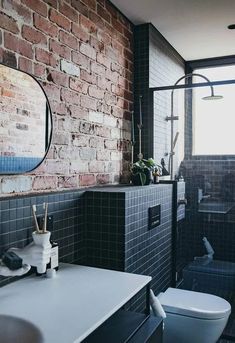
(12, 261)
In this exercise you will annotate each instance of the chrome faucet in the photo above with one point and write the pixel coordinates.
(202, 196)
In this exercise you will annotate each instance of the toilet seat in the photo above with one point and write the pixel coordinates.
(194, 304)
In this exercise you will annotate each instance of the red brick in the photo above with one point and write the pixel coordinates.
(111, 9)
(68, 40)
(78, 112)
(44, 182)
(102, 131)
(128, 54)
(103, 83)
(52, 3)
(95, 92)
(60, 79)
(101, 58)
(97, 20)
(117, 46)
(87, 180)
(78, 86)
(45, 25)
(117, 91)
(59, 108)
(52, 91)
(110, 144)
(59, 19)
(70, 96)
(68, 11)
(68, 182)
(8, 23)
(96, 142)
(101, 2)
(46, 57)
(95, 43)
(96, 166)
(8, 58)
(8, 93)
(117, 112)
(18, 9)
(88, 25)
(81, 60)
(33, 35)
(78, 5)
(128, 34)
(103, 155)
(39, 70)
(97, 68)
(25, 65)
(59, 49)
(103, 13)
(88, 102)
(88, 51)
(123, 41)
(112, 53)
(104, 37)
(102, 179)
(37, 6)
(111, 75)
(90, 3)
(18, 45)
(88, 77)
(79, 33)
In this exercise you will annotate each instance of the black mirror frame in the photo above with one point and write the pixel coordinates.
(49, 136)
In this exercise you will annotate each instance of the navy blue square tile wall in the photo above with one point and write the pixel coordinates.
(16, 223)
(117, 234)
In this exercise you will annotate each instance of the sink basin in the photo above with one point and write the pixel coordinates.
(215, 207)
(17, 330)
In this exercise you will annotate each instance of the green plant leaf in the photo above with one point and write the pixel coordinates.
(142, 178)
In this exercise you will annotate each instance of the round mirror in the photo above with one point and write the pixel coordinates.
(25, 122)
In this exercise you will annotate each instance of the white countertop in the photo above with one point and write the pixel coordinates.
(70, 306)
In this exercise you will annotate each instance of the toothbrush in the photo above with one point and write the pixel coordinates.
(35, 218)
(45, 206)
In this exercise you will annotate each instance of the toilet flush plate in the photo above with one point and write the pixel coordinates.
(154, 214)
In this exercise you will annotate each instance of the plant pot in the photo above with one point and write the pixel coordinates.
(136, 179)
(142, 179)
(148, 175)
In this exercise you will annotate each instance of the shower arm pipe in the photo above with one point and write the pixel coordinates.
(192, 85)
(172, 118)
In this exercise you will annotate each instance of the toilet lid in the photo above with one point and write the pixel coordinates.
(194, 304)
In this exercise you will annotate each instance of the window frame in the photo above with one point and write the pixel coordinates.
(191, 66)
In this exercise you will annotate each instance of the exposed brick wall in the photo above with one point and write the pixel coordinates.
(81, 52)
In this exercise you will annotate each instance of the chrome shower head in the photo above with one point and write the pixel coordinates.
(213, 97)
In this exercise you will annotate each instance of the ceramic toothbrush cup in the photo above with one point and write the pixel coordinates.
(42, 240)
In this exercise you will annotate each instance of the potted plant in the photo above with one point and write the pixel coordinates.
(143, 170)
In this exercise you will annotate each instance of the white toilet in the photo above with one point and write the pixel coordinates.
(193, 317)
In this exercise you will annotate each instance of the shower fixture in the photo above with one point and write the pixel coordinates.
(172, 117)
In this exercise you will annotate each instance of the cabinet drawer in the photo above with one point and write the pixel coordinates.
(125, 326)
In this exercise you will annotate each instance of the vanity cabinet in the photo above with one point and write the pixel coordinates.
(128, 327)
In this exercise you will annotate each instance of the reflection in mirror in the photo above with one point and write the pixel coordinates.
(25, 122)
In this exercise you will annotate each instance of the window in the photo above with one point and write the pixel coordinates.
(214, 121)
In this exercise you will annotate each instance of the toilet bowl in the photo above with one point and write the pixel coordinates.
(193, 317)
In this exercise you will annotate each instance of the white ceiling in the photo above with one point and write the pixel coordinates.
(195, 28)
